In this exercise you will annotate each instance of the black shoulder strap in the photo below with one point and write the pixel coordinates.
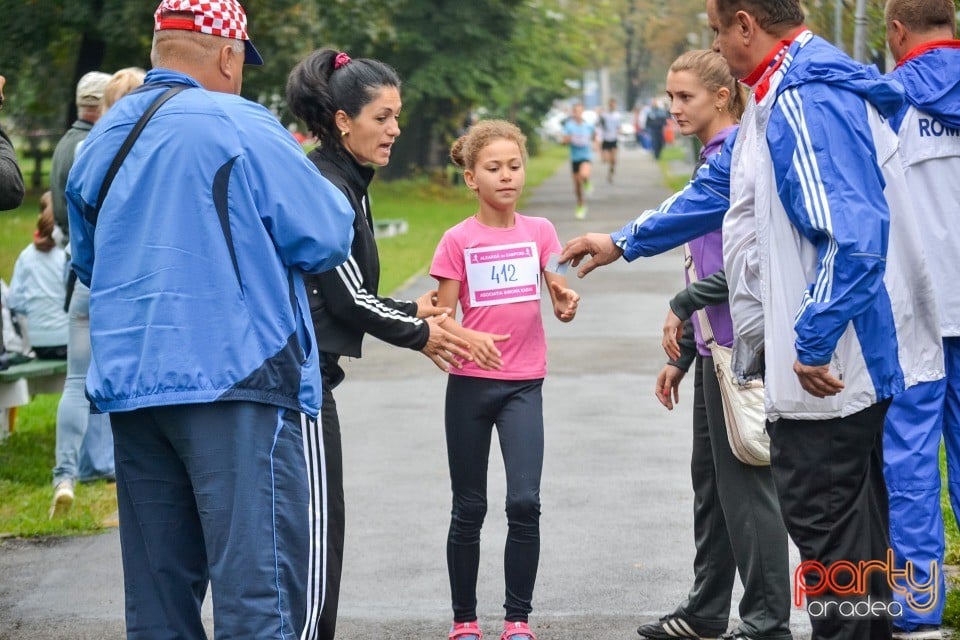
(128, 144)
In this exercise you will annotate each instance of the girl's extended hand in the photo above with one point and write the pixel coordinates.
(672, 332)
(565, 302)
(668, 385)
(483, 348)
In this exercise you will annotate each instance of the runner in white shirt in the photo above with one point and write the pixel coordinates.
(609, 133)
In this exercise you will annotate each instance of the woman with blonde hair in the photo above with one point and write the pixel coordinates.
(736, 517)
(84, 445)
(120, 84)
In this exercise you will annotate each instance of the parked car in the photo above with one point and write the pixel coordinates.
(551, 127)
(627, 134)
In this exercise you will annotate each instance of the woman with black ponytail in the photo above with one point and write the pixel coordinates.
(353, 108)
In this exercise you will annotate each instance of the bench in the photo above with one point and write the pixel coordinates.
(40, 145)
(390, 227)
(21, 382)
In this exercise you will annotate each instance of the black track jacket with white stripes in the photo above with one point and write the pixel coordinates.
(343, 302)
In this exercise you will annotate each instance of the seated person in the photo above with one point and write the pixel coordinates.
(37, 289)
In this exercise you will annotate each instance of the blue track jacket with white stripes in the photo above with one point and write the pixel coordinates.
(822, 253)
(194, 263)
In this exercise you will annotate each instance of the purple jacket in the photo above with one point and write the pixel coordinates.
(707, 252)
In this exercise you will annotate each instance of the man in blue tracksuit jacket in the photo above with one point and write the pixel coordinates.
(921, 37)
(829, 287)
(202, 347)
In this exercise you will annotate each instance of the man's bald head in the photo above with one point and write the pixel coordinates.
(175, 48)
(215, 62)
(205, 40)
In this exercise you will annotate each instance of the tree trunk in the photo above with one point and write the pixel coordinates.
(422, 143)
(90, 58)
(629, 63)
(410, 149)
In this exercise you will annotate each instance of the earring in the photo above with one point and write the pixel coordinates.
(343, 133)
(719, 109)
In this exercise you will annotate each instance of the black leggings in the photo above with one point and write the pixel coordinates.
(473, 406)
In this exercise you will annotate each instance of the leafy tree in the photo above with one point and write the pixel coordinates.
(637, 39)
(509, 57)
(547, 51)
(49, 44)
(662, 30)
(448, 53)
(505, 58)
(284, 31)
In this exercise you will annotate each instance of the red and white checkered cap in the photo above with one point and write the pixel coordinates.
(224, 18)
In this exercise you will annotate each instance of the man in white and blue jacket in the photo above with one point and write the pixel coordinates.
(829, 290)
(921, 36)
(738, 528)
(202, 346)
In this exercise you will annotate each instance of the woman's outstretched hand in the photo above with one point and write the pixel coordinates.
(427, 305)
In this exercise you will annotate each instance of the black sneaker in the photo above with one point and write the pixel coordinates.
(674, 626)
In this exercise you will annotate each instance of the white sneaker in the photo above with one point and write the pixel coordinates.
(923, 632)
(62, 499)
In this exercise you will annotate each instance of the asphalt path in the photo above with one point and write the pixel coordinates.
(616, 526)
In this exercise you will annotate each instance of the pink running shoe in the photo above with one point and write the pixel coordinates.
(517, 631)
(465, 631)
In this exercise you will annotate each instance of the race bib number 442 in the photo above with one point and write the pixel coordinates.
(503, 274)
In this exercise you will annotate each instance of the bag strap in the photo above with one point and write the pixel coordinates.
(127, 145)
(706, 330)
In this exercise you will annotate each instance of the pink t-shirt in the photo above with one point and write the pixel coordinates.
(525, 352)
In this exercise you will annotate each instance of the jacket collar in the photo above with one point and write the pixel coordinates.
(919, 50)
(338, 160)
(759, 78)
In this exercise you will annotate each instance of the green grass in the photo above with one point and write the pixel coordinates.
(16, 232)
(429, 210)
(28, 166)
(27, 456)
(951, 612)
(26, 461)
(675, 163)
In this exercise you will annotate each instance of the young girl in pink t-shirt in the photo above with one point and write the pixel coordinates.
(492, 265)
